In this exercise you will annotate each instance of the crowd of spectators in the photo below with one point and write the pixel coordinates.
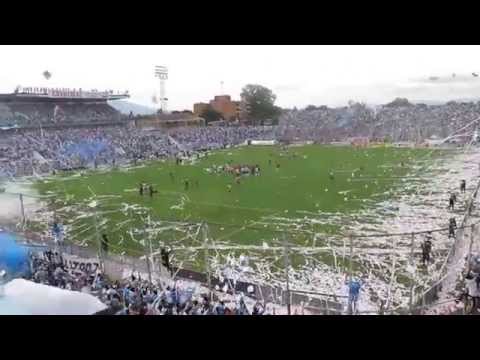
(396, 121)
(49, 269)
(136, 296)
(209, 138)
(42, 151)
(326, 124)
(47, 114)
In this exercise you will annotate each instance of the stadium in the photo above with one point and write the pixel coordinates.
(283, 217)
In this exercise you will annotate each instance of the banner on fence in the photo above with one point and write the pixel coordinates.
(261, 142)
(75, 264)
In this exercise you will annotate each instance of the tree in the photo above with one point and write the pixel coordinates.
(399, 102)
(260, 103)
(210, 114)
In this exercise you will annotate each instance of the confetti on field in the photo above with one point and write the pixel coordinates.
(403, 211)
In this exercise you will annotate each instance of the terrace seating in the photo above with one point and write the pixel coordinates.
(401, 122)
(44, 114)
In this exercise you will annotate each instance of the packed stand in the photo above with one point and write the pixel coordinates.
(397, 121)
(48, 114)
(210, 138)
(135, 296)
(37, 152)
(42, 151)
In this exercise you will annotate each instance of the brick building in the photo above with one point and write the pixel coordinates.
(230, 110)
(199, 108)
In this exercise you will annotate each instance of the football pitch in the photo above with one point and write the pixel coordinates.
(299, 192)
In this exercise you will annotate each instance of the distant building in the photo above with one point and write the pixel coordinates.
(230, 110)
(199, 108)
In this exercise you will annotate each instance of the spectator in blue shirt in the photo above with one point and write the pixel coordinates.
(354, 287)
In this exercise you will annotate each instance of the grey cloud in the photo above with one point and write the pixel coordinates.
(443, 91)
(447, 79)
(382, 93)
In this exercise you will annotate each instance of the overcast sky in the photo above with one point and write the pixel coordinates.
(298, 75)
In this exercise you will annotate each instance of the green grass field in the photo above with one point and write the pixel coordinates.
(285, 198)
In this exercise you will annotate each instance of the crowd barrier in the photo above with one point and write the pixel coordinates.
(431, 295)
(117, 267)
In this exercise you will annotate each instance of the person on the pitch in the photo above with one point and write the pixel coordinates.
(165, 256)
(331, 175)
(451, 202)
(454, 222)
(229, 188)
(186, 183)
(57, 231)
(429, 236)
(426, 249)
(140, 189)
(105, 243)
(354, 287)
(463, 186)
(452, 226)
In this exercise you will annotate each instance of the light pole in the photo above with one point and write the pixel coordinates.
(162, 73)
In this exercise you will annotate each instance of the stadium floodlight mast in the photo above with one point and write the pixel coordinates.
(162, 73)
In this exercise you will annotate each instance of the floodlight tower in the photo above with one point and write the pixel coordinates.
(162, 73)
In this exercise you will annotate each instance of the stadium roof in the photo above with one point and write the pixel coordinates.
(62, 97)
